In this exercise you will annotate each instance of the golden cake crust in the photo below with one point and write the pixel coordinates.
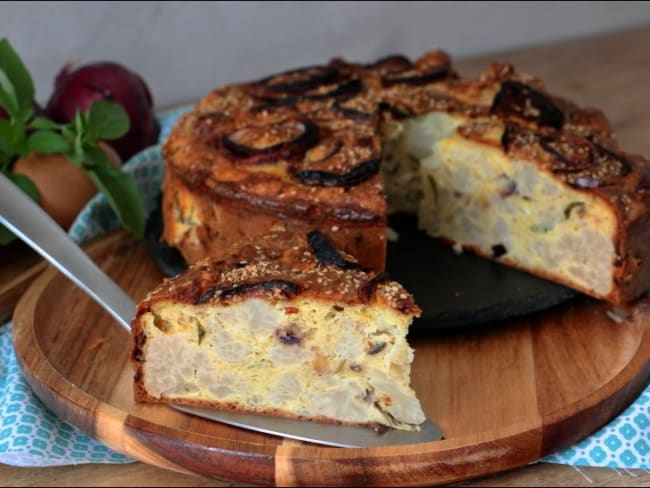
(303, 146)
(283, 266)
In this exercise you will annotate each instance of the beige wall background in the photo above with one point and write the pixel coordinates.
(183, 49)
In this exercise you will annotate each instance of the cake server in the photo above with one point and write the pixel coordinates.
(31, 224)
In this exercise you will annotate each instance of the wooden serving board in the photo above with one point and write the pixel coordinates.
(504, 394)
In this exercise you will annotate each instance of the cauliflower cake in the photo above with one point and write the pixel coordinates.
(286, 326)
(494, 165)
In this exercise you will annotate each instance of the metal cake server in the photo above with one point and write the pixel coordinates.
(31, 224)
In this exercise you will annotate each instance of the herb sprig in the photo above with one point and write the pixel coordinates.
(23, 133)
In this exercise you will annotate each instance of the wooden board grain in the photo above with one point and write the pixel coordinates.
(504, 394)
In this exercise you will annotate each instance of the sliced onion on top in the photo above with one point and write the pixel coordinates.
(521, 100)
(416, 78)
(301, 80)
(286, 140)
(358, 174)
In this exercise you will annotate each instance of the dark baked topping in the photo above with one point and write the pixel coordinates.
(326, 254)
(583, 163)
(323, 151)
(394, 63)
(358, 174)
(281, 287)
(516, 98)
(397, 110)
(282, 267)
(369, 289)
(298, 81)
(286, 140)
(415, 77)
(576, 159)
(357, 109)
(347, 88)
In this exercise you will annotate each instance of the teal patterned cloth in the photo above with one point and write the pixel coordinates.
(30, 435)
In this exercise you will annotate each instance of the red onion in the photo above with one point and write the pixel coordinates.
(79, 88)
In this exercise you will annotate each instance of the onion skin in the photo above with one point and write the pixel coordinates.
(79, 88)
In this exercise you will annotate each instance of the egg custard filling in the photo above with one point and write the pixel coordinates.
(336, 362)
(285, 327)
(466, 190)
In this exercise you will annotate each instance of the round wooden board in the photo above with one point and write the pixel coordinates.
(504, 394)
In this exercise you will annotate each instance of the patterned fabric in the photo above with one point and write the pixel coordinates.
(30, 435)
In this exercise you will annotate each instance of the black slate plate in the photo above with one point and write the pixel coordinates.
(452, 290)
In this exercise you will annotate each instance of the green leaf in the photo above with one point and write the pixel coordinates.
(107, 120)
(26, 113)
(94, 155)
(16, 71)
(47, 142)
(43, 123)
(7, 137)
(8, 98)
(122, 195)
(25, 184)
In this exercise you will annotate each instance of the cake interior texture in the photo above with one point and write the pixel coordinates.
(335, 363)
(470, 193)
(285, 328)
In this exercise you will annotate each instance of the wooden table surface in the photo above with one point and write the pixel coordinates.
(610, 71)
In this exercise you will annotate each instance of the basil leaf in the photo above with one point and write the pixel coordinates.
(16, 71)
(47, 142)
(107, 120)
(7, 137)
(8, 98)
(43, 123)
(94, 155)
(122, 195)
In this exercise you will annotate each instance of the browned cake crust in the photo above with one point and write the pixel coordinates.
(280, 266)
(301, 150)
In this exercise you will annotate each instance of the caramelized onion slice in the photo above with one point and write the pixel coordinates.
(394, 63)
(300, 80)
(346, 89)
(516, 98)
(358, 174)
(284, 139)
(285, 288)
(353, 113)
(398, 112)
(280, 100)
(416, 78)
(369, 289)
(573, 154)
(326, 254)
(585, 163)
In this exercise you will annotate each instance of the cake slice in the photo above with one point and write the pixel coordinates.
(286, 326)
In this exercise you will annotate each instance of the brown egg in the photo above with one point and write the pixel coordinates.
(62, 187)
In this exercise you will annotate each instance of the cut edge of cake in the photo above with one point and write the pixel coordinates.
(287, 326)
